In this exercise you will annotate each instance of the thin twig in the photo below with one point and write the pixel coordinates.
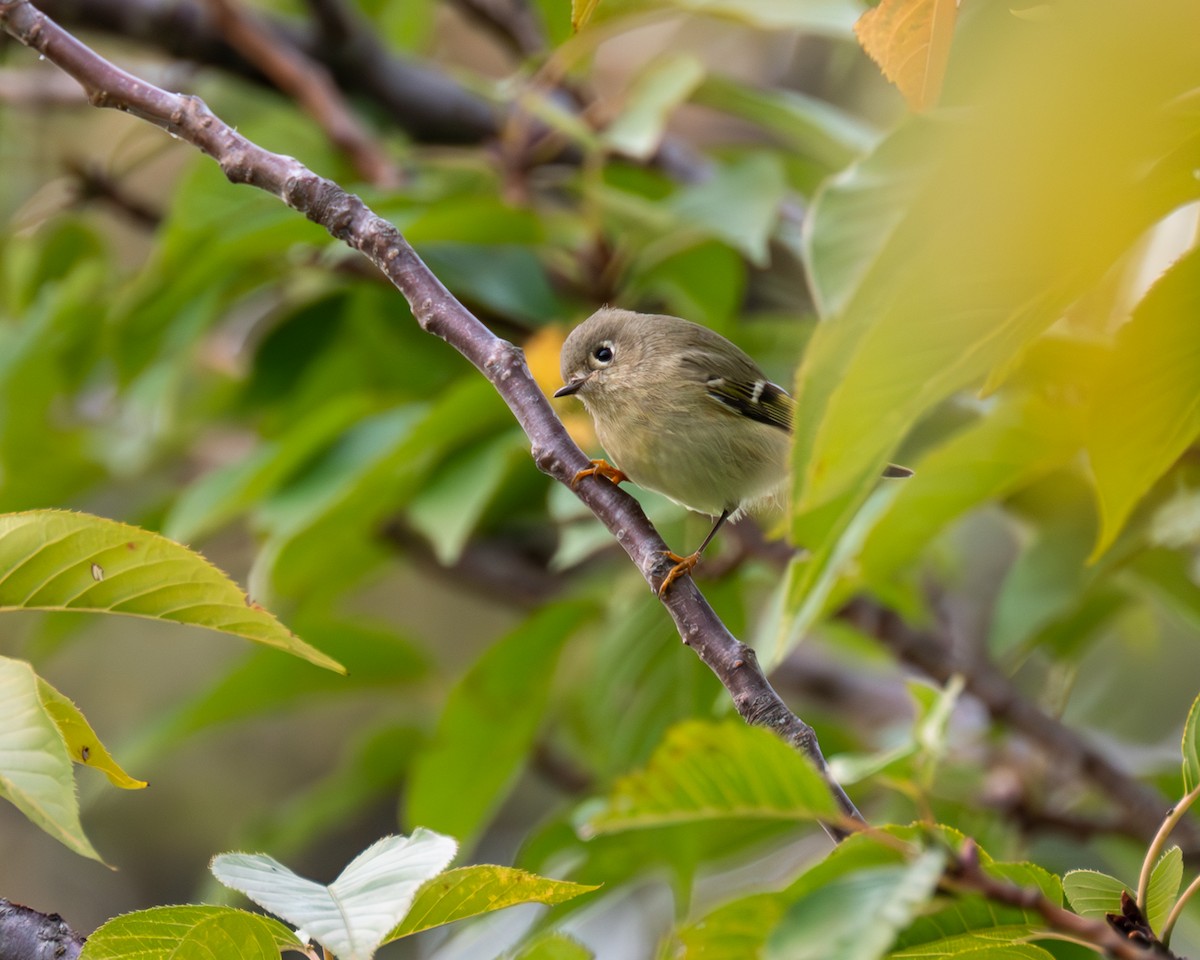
(437, 311)
(1170, 822)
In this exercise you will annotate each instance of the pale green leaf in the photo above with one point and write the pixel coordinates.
(638, 129)
(1149, 410)
(983, 940)
(82, 743)
(712, 771)
(1164, 887)
(816, 581)
(1015, 443)
(471, 891)
(353, 915)
(221, 494)
(554, 946)
(488, 725)
(189, 933)
(447, 510)
(735, 931)
(832, 17)
(1092, 893)
(812, 127)
(1191, 748)
(1005, 951)
(738, 204)
(35, 768)
(856, 916)
(55, 560)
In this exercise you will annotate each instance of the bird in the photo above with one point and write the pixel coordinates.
(682, 411)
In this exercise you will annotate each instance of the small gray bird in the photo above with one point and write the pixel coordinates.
(683, 412)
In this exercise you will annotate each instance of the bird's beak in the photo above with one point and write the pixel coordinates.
(572, 387)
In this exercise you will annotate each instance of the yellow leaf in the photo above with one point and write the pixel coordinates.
(910, 40)
(581, 13)
(82, 743)
(541, 353)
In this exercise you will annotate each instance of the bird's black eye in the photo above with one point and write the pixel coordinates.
(603, 353)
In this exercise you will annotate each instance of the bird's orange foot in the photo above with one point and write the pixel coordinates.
(683, 566)
(599, 468)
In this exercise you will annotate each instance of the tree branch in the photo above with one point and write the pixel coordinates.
(26, 934)
(437, 311)
(1142, 806)
(425, 102)
(966, 876)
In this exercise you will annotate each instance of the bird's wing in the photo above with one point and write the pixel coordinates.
(758, 399)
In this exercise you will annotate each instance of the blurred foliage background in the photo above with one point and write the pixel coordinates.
(1001, 292)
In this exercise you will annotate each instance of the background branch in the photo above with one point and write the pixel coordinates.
(438, 312)
(932, 652)
(310, 85)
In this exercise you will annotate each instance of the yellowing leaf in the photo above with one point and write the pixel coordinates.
(581, 13)
(57, 560)
(82, 743)
(910, 40)
(35, 771)
(471, 891)
(541, 354)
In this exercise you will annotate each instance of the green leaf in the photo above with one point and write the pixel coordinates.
(1164, 887)
(668, 81)
(82, 743)
(832, 17)
(54, 560)
(505, 279)
(488, 724)
(984, 936)
(1006, 951)
(35, 768)
(1092, 893)
(324, 526)
(1050, 575)
(189, 933)
(1015, 443)
(1191, 748)
(554, 946)
(816, 581)
(809, 126)
(353, 915)
(712, 771)
(738, 204)
(472, 891)
(1149, 410)
(856, 916)
(448, 509)
(735, 931)
(955, 187)
(221, 494)
(581, 12)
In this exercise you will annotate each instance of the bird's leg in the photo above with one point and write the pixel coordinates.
(599, 468)
(684, 565)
